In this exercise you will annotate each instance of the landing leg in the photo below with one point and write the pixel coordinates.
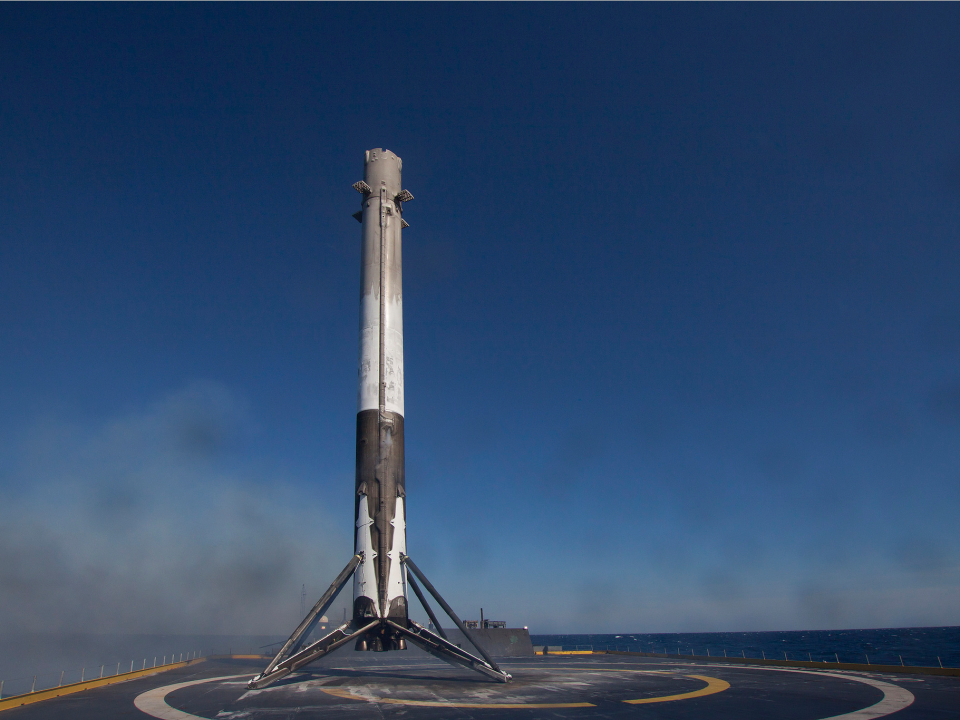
(293, 644)
(338, 638)
(423, 637)
(447, 651)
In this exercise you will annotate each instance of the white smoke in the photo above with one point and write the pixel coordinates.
(144, 523)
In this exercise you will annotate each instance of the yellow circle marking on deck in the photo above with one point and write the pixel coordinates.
(714, 685)
(153, 702)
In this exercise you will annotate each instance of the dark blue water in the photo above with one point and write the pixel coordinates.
(915, 646)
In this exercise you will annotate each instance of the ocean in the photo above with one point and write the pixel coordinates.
(928, 646)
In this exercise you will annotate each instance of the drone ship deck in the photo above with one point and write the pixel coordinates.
(357, 685)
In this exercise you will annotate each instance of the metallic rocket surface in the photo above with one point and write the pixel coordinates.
(379, 589)
(379, 565)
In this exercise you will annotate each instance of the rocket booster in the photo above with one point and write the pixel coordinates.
(380, 588)
(379, 565)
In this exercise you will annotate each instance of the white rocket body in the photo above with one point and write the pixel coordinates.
(380, 581)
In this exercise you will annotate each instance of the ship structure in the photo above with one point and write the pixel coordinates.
(380, 568)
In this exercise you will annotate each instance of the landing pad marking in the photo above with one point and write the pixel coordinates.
(347, 695)
(714, 685)
(153, 702)
(894, 697)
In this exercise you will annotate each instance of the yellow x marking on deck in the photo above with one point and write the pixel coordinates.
(714, 685)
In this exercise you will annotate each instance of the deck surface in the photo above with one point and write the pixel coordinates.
(401, 685)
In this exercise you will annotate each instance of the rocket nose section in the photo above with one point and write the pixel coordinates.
(381, 166)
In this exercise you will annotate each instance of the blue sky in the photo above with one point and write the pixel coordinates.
(682, 327)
